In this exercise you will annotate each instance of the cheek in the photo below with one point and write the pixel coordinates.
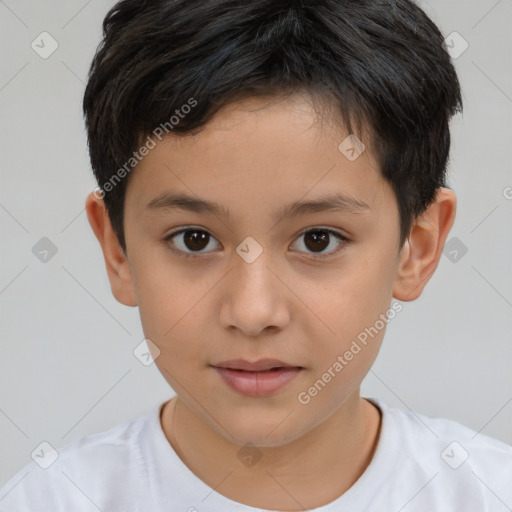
(164, 290)
(171, 301)
(353, 297)
(158, 303)
(351, 309)
(169, 320)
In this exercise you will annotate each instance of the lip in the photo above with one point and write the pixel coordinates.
(260, 365)
(257, 379)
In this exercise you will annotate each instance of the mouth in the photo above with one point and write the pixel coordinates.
(257, 379)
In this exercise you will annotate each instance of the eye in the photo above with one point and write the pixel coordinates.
(193, 239)
(318, 239)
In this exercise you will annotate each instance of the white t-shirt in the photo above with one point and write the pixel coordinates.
(421, 464)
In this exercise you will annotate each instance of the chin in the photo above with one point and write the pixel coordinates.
(265, 431)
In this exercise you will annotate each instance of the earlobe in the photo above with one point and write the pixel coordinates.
(116, 263)
(423, 249)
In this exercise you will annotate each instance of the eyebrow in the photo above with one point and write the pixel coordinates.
(328, 202)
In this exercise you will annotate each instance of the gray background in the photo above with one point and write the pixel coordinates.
(67, 367)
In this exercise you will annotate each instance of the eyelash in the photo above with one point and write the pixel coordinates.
(338, 235)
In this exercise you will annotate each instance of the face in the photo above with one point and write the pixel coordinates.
(248, 282)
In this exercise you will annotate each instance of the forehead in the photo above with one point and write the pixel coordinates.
(260, 153)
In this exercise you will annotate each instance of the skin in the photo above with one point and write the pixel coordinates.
(253, 157)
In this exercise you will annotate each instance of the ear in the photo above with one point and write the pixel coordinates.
(422, 251)
(116, 263)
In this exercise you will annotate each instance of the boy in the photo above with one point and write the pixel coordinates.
(229, 138)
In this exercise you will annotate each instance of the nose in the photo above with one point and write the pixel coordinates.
(254, 298)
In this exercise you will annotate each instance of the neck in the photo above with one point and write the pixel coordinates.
(309, 472)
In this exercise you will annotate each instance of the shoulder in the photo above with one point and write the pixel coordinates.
(79, 475)
(454, 457)
(456, 441)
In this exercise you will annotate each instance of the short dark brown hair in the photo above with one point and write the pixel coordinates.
(382, 63)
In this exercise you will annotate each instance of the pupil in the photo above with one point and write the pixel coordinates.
(314, 240)
(196, 240)
(320, 242)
